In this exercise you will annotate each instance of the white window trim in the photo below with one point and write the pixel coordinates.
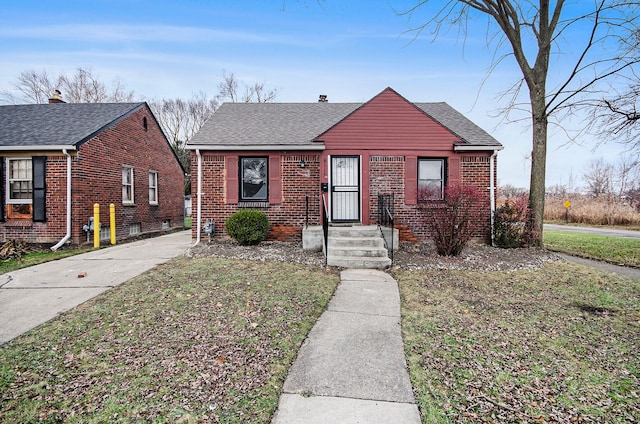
(132, 200)
(8, 198)
(443, 175)
(155, 188)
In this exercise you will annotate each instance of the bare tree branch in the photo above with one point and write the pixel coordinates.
(81, 87)
(605, 54)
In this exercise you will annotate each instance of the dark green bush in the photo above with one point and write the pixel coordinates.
(247, 226)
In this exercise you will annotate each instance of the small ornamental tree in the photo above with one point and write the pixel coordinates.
(449, 219)
(247, 226)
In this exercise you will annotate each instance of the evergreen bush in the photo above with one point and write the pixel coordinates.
(247, 226)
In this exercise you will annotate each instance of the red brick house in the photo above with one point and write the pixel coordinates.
(273, 156)
(59, 159)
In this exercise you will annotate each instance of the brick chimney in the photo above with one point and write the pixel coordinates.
(323, 99)
(56, 97)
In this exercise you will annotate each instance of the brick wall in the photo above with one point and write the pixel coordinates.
(286, 218)
(97, 178)
(386, 175)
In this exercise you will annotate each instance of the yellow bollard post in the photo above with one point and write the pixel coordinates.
(112, 222)
(96, 225)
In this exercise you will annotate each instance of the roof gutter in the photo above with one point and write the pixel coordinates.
(475, 148)
(224, 147)
(31, 148)
(67, 236)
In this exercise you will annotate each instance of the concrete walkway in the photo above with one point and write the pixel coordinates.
(352, 368)
(34, 295)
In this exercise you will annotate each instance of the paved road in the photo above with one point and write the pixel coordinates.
(611, 232)
(34, 295)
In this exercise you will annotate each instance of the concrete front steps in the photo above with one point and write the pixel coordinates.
(357, 247)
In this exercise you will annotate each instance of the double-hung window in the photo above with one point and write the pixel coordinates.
(153, 187)
(19, 187)
(127, 185)
(254, 179)
(431, 179)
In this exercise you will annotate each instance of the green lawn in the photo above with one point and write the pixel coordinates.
(211, 340)
(559, 344)
(192, 340)
(622, 251)
(37, 257)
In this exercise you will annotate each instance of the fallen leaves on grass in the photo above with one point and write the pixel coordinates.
(203, 340)
(559, 344)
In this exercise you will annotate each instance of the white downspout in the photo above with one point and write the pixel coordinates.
(492, 190)
(199, 198)
(68, 234)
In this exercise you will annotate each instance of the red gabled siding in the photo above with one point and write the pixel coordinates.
(388, 121)
(389, 134)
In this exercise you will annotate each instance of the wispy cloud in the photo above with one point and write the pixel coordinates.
(148, 33)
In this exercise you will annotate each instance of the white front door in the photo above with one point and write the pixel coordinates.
(345, 188)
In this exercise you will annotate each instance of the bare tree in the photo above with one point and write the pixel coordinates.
(508, 191)
(599, 178)
(614, 181)
(81, 87)
(181, 120)
(618, 118)
(532, 32)
(229, 89)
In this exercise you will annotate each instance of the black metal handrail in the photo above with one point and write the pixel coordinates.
(385, 218)
(306, 210)
(325, 228)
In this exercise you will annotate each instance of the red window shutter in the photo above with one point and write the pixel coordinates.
(411, 180)
(232, 179)
(275, 187)
(454, 177)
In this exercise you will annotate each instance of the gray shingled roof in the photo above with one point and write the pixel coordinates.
(58, 124)
(299, 124)
(277, 124)
(458, 124)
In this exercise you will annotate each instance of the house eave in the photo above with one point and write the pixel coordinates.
(271, 147)
(475, 148)
(36, 148)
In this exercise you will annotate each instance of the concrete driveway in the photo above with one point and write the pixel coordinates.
(34, 295)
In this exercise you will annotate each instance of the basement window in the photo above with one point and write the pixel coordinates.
(135, 229)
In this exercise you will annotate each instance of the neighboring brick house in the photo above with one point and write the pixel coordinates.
(273, 156)
(99, 152)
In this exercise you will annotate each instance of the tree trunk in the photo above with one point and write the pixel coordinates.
(538, 169)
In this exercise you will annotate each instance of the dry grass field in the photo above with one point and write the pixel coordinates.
(591, 211)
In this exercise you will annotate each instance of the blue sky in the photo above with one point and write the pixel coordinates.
(349, 50)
